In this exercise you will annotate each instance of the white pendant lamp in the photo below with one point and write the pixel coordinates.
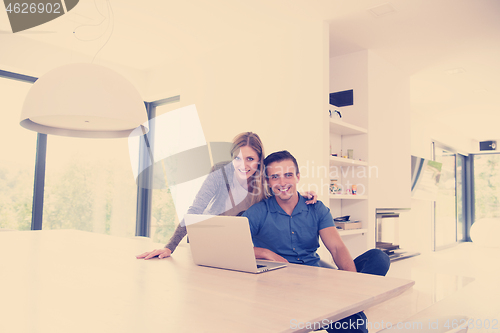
(86, 101)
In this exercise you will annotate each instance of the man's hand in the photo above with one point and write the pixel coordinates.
(262, 253)
(160, 253)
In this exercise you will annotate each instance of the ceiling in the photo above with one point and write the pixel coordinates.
(449, 48)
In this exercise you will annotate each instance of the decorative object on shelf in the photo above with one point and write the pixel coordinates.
(349, 225)
(334, 187)
(342, 218)
(350, 153)
(342, 98)
(487, 145)
(335, 114)
(354, 189)
(86, 101)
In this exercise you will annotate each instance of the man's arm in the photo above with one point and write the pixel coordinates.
(255, 215)
(333, 242)
(262, 253)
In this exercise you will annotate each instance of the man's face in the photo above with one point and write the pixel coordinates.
(283, 179)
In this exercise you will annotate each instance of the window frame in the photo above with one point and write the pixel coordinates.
(146, 150)
(467, 191)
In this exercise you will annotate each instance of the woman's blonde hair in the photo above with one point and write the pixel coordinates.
(257, 184)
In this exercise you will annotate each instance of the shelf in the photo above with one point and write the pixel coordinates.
(348, 196)
(335, 160)
(352, 232)
(342, 128)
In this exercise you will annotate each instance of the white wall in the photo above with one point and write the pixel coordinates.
(389, 134)
(274, 85)
(424, 131)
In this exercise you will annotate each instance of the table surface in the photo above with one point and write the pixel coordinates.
(75, 281)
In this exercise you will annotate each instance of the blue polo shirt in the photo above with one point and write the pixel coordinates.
(295, 237)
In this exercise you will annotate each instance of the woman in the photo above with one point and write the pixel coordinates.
(229, 189)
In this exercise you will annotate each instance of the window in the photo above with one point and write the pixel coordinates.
(486, 186)
(449, 224)
(17, 158)
(89, 186)
(89, 183)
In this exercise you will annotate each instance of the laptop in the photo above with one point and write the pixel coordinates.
(224, 242)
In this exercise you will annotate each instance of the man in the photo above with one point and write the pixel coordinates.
(285, 229)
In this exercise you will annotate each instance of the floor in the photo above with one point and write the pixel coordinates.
(461, 280)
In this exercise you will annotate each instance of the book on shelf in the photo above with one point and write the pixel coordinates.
(348, 225)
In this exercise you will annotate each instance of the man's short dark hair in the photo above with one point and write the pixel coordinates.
(278, 157)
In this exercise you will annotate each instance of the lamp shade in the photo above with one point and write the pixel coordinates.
(84, 100)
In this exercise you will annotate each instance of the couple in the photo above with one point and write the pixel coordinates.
(230, 190)
(283, 226)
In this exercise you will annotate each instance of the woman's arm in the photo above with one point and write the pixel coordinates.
(209, 189)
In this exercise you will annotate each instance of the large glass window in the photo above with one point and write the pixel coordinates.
(17, 158)
(486, 186)
(449, 224)
(163, 214)
(90, 186)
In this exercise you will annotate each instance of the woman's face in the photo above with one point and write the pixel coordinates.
(246, 163)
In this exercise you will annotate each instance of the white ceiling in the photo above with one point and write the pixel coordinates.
(449, 48)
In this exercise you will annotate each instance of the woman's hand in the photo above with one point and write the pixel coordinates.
(311, 197)
(160, 253)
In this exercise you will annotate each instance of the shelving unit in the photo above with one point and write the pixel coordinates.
(353, 232)
(376, 125)
(343, 136)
